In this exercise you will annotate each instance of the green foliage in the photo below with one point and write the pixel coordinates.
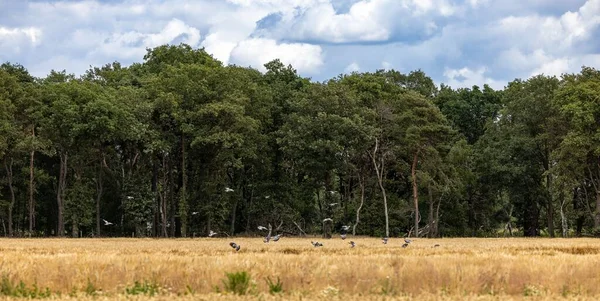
(11, 288)
(143, 288)
(274, 287)
(237, 283)
(151, 148)
(90, 289)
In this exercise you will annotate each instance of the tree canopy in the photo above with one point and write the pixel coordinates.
(181, 144)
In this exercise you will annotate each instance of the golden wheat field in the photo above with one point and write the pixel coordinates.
(195, 269)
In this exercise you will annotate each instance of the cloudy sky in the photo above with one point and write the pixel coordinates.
(457, 42)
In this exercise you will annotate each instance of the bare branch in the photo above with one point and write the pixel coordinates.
(299, 228)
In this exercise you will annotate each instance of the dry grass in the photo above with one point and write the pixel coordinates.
(459, 269)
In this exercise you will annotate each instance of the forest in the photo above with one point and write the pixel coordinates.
(180, 145)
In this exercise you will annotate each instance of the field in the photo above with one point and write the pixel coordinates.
(195, 269)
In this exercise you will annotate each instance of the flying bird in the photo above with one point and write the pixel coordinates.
(406, 240)
(107, 223)
(405, 245)
(235, 246)
(262, 228)
(385, 240)
(212, 233)
(333, 204)
(276, 237)
(344, 231)
(195, 212)
(227, 189)
(352, 244)
(316, 244)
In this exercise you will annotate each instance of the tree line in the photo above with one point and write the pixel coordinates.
(180, 144)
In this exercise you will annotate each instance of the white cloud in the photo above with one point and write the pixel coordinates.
(553, 67)
(552, 33)
(133, 44)
(562, 65)
(366, 20)
(480, 40)
(476, 3)
(466, 77)
(227, 29)
(31, 33)
(354, 67)
(306, 58)
(220, 47)
(12, 40)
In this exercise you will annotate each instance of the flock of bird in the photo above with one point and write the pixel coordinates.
(316, 244)
(268, 238)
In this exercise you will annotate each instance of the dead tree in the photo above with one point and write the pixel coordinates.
(299, 228)
(327, 227)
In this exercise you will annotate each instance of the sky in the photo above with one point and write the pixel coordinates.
(457, 42)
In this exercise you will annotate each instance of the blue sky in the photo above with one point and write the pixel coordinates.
(457, 42)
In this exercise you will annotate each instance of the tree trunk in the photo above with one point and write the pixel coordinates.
(183, 206)
(171, 201)
(62, 183)
(549, 207)
(379, 172)
(597, 213)
(531, 217)
(99, 190)
(156, 193)
(563, 218)
(233, 216)
(9, 176)
(163, 199)
(415, 191)
(580, 215)
(436, 227)
(361, 183)
(75, 229)
(327, 228)
(430, 220)
(248, 210)
(31, 178)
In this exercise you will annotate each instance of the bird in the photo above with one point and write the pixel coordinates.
(262, 228)
(332, 192)
(436, 245)
(107, 223)
(345, 228)
(406, 240)
(212, 233)
(235, 246)
(385, 240)
(332, 204)
(405, 245)
(276, 237)
(195, 212)
(352, 244)
(129, 197)
(316, 244)
(227, 189)
(343, 236)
